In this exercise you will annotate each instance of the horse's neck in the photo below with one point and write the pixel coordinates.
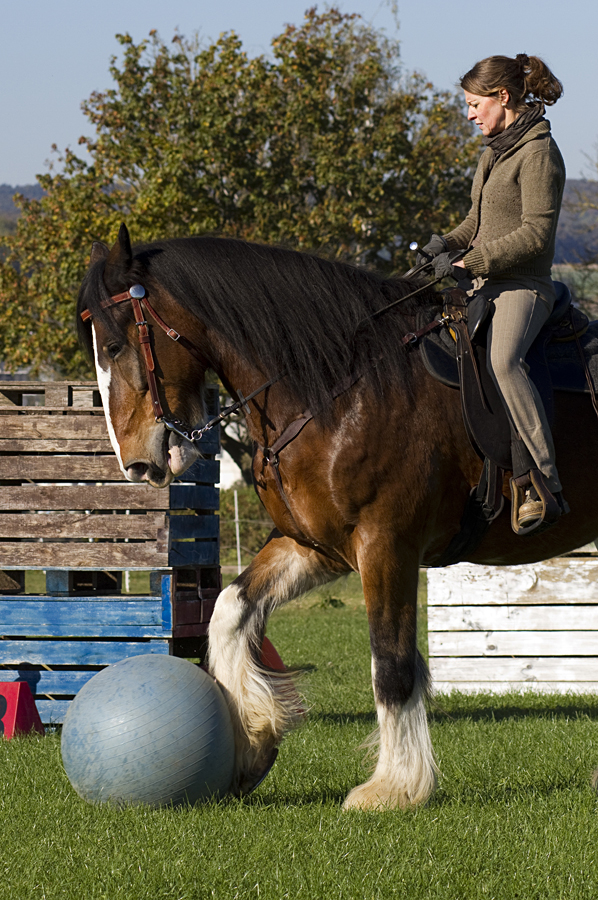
(271, 409)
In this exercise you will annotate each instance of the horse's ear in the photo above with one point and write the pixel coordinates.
(119, 260)
(98, 251)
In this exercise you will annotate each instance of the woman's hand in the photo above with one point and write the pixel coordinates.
(444, 266)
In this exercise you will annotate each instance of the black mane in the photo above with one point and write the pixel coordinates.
(283, 310)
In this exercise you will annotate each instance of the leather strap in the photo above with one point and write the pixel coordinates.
(145, 340)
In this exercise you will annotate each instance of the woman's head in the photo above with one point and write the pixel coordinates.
(498, 89)
(525, 79)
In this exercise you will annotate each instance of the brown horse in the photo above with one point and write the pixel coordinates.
(375, 481)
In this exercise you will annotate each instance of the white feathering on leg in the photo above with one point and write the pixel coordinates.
(405, 773)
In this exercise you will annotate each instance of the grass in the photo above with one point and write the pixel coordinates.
(514, 815)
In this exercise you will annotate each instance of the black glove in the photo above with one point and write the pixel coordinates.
(434, 247)
(443, 266)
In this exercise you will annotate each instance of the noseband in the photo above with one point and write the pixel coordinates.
(138, 297)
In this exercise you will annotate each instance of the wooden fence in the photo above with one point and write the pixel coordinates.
(501, 628)
(68, 514)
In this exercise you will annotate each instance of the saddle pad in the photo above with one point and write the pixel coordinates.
(438, 352)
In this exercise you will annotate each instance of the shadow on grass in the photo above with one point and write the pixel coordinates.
(333, 718)
(496, 709)
(458, 794)
(313, 796)
(542, 789)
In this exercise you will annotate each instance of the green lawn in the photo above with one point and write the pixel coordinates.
(514, 816)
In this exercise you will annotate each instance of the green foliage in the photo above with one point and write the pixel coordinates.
(7, 226)
(324, 146)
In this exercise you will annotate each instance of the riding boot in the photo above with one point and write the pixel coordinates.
(534, 507)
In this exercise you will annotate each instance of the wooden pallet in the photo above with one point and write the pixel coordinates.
(502, 628)
(66, 510)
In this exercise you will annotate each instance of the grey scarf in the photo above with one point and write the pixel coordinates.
(500, 143)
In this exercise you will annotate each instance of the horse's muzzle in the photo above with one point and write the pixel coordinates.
(144, 471)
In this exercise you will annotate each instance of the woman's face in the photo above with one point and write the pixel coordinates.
(489, 113)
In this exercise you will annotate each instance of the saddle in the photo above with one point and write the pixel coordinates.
(456, 356)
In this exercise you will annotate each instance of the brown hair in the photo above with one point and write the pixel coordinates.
(526, 78)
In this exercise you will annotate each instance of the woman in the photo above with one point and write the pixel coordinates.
(509, 236)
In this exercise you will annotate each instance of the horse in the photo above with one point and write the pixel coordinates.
(361, 459)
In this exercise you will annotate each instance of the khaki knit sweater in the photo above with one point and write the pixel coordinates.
(511, 226)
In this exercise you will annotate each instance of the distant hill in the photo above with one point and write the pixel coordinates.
(576, 240)
(577, 235)
(7, 208)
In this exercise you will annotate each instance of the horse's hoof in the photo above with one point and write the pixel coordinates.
(249, 784)
(372, 797)
(379, 794)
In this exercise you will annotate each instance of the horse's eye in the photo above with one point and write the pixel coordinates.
(113, 349)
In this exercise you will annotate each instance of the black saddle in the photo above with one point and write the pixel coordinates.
(459, 361)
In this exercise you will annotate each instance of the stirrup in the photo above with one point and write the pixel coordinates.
(529, 515)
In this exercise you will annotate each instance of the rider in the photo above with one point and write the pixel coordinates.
(509, 236)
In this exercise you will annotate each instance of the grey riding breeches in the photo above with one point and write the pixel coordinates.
(521, 309)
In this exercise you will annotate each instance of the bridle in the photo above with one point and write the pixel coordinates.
(138, 297)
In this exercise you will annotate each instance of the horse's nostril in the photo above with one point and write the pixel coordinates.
(138, 471)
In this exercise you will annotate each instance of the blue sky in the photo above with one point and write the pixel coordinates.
(53, 55)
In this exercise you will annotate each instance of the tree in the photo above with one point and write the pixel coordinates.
(325, 146)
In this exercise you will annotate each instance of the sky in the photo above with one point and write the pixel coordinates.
(53, 55)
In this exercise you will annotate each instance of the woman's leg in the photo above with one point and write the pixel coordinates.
(519, 315)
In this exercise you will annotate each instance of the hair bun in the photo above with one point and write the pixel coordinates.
(523, 60)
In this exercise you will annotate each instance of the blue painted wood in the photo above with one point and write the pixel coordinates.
(43, 682)
(77, 611)
(64, 630)
(166, 591)
(57, 580)
(82, 617)
(202, 553)
(205, 471)
(75, 653)
(191, 496)
(194, 527)
(116, 599)
(210, 443)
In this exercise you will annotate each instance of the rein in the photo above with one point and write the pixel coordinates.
(138, 297)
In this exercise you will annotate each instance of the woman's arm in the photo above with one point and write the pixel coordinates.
(463, 234)
(541, 182)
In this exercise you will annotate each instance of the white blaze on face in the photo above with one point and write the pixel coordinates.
(104, 376)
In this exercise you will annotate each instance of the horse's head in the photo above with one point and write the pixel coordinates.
(127, 351)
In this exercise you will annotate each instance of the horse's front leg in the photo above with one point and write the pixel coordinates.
(263, 704)
(405, 773)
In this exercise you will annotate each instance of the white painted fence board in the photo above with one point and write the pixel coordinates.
(513, 643)
(555, 581)
(523, 669)
(513, 618)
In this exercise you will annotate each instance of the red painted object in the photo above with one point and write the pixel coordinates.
(18, 712)
(270, 656)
